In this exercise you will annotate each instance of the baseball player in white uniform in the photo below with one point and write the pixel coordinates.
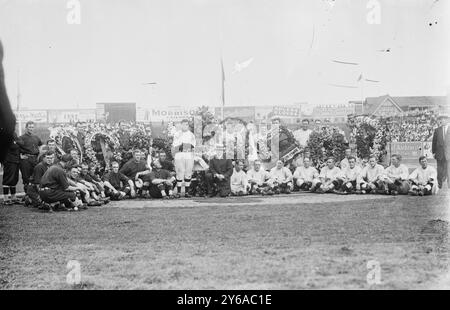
(183, 148)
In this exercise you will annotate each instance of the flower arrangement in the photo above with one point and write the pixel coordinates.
(67, 133)
(369, 135)
(326, 142)
(139, 139)
(163, 144)
(93, 146)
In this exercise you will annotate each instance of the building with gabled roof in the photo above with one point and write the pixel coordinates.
(391, 106)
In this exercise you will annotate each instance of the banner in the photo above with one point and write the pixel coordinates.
(71, 116)
(37, 116)
(412, 150)
(333, 110)
(164, 114)
(286, 111)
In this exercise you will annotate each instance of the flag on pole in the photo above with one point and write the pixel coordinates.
(238, 67)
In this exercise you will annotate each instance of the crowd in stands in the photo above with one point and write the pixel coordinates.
(416, 126)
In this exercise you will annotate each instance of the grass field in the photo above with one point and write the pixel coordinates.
(303, 241)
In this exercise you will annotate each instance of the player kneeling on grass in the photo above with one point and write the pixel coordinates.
(349, 176)
(395, 178)
(239, 183)
(161, 182)
(328, 178)
(55, 188)
(117, 185)
(281, 179)
(305, 175)
(423, 179)
(370, 178)
(257, 179)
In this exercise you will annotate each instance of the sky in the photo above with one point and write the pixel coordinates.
(120, 46)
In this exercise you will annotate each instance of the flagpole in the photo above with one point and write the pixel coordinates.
(223, 87)
(18, 103)
(362, 94)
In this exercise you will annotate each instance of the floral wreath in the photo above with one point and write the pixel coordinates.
(369, 136)
(59, 133)
(109, 139)
(324, 142)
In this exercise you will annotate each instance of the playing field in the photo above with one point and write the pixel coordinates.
(302, 241)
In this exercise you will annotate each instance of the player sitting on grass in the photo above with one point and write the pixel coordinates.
(96, 190)
(219, 175)
(395, 178)
(349, 176)
(239, 181)
(88, 174)
(257, 179)
(134, 169)
(86, 190)
(370, 177)
(117, 185)
(281, 179)
(305, 175)
(161, 182)
(423, 179)
(328, 178)
(33, 198)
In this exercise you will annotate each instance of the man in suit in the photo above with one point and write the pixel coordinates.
(219, 174)
(7, 118)
(441, 150)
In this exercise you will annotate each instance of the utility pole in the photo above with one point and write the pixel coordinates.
(362, 96)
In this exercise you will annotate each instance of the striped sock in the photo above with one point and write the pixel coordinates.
(179, 183)
(187, 183)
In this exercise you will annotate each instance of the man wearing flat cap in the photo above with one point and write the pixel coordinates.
(441, 150)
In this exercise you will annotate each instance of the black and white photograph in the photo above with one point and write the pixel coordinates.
(245, 146)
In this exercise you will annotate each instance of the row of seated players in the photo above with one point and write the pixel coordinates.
(135, 179)
(223, 179)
